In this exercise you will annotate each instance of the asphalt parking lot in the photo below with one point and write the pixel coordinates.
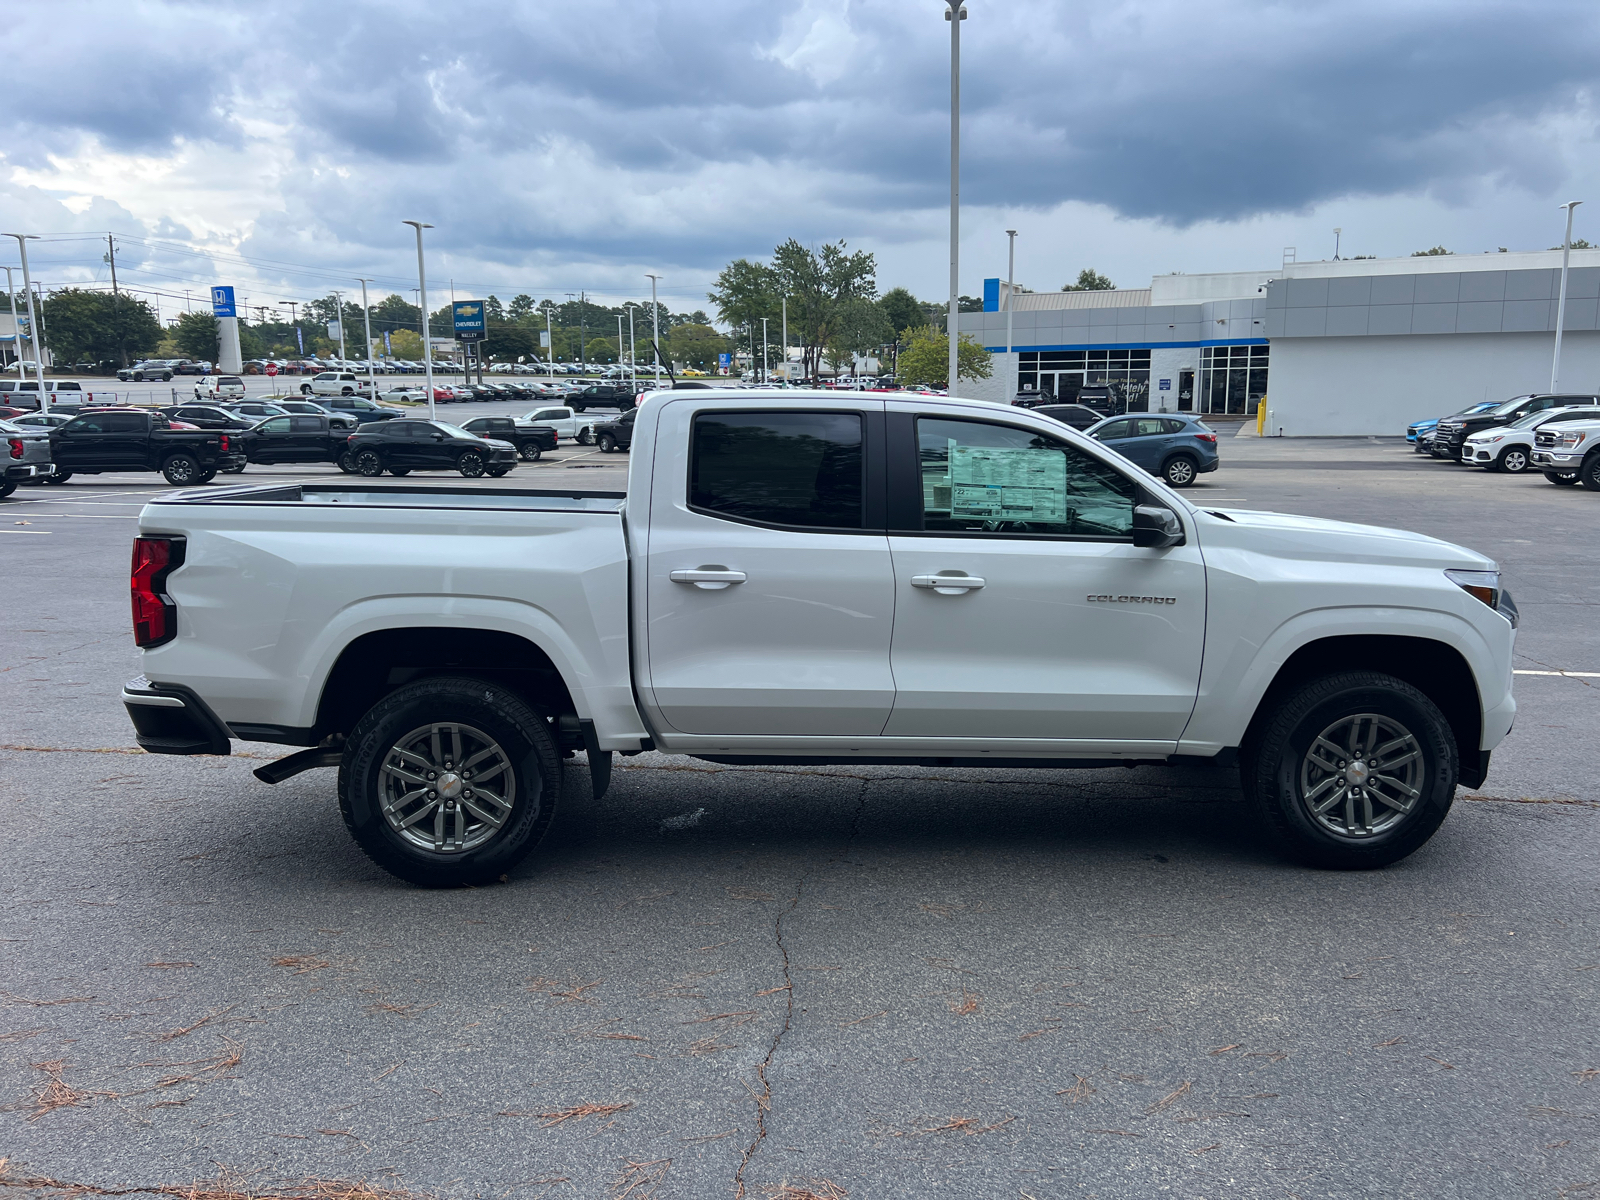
(904, 982)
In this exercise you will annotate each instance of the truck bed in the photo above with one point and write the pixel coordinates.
(367, 496)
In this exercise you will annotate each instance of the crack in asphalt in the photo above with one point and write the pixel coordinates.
(763, 1098)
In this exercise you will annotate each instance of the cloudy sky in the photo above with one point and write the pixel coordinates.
(559, 148)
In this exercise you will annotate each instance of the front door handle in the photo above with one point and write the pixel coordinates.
(711, 579)
(948, 584)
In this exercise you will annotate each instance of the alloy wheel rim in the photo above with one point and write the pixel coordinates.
(1361, 776)
(1180, 472)
(1516, 460)
(446, 788)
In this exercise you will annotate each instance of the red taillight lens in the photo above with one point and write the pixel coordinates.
(155, 616)
(1206, 437)
(16, 447)
(224, 446)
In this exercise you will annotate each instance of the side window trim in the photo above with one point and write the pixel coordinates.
(904, 481)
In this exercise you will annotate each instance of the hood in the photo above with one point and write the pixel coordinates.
(1287, 536)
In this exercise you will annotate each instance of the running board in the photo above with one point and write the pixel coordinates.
(305, 760)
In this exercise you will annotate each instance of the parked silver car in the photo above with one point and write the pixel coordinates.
(27, 455)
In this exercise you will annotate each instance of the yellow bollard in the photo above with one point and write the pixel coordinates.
(1261, 417)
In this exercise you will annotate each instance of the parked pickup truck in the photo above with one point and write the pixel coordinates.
(1569, 454)
(126, 439)
(807, 578)
(26, 455)
(568, 424)
(336, 383)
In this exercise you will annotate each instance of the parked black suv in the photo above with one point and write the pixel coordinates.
(604, 395)
(1450, 435)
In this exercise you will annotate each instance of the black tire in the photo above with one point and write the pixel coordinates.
(347, 391)
(346, 462)
(1562, 478)
(400, 472)
(181, 470)
(1513, 460)
(470, 464)
(305, 389)
(58, 476)
(7, 486)
(480, 714)
(577, 407)
(138, 376)
(166, 377)
(586, 436)
(607, 443)
(531, 452)
(1281, 757)
(497, 472)
(1589, 473)
(369, 463)
(1180, 471)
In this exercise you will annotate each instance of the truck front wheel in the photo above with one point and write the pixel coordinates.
(181, 470)
(1352, 771)
(449, 781)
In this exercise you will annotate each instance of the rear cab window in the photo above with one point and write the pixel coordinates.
(797, 469)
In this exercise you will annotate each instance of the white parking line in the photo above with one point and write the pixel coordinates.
(1563, 674)
(29, 532)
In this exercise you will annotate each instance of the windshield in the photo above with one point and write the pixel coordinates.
(8, 427)
(1510, 406)
(454, 430)
(1532, 418)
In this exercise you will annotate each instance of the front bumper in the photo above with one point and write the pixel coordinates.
(30, 470)
(169, 718)
(1557, 461)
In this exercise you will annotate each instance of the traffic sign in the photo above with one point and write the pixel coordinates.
(222, 302)
(468, 316)
(272, 369)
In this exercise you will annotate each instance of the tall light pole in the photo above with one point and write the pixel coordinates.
(1561, 303)
(366, 318)
(955, 12)
(619, 341)
(1011, 301)
(1337, 233)
(16, 325)
(786, 339)
(33, 326)
(549, 336)
(655, 315)
(766, 373)
(427, 334)
(338, 312)
(633, 362)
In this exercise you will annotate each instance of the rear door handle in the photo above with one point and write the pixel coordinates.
(948, 585)
(710, 579)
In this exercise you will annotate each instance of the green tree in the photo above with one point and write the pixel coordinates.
(392, 313)
(695, 345)
(406, 343)
(925, 361)
(1089, 280)
(600, 350)
(745, 292)
(1577, 244)
(196, 336)
(81, 324)
(861, 328)
(1437, 250)
(507, 342)
(493, 310)
(521, 306)
(902, 310)
(820, 287)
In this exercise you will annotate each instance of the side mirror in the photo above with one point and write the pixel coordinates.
(1156, 527)
(438, 437)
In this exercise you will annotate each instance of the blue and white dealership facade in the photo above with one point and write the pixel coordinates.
(1349, 346)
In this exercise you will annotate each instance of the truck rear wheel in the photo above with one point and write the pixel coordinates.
(181, 470)
(1352, 771)
(449, 781)
(530, 452)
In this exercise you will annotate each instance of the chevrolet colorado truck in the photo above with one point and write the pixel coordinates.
(809, 578)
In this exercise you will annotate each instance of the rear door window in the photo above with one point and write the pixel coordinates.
(305, 424)
(124, 422)
(800, 469)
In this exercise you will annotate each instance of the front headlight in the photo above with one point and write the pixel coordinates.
(1571, 438)
(1485, 586)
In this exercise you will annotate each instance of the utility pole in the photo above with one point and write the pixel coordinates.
(655, 315)
(366, 317)
(1561, 303)
(955, 13)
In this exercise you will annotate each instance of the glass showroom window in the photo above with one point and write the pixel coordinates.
(1233, 379)
(1062, 374)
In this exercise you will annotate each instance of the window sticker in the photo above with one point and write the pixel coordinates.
(1006, 483)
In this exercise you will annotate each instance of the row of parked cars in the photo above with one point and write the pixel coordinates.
(1557, 434)
(191, 444)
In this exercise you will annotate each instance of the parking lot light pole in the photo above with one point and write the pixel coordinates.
(549, 336)
(619, 341)
(33, 325)
(1561, 303)
(427, 334)
(786, 339)
(1011, 299)
(955, 12)
(338, 312)
(16, 325)
(366, 317)
(655, 315)
(633, 362)
(766, 371)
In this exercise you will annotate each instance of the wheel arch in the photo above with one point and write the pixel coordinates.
(1435, 668)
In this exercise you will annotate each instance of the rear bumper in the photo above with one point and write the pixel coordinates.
(169, 718)
(29, 470)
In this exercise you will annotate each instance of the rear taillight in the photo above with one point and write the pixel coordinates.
(16, 447)
(155, 616)
(1206, 437)
(224, 446)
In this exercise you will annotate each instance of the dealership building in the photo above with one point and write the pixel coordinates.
(1344, 347)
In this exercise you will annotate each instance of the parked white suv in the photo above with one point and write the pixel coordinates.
(1509, 448)
(219, 387)
(335, 383)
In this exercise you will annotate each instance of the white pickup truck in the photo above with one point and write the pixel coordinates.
(570, 425)
(336, 383)
(806, 578)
